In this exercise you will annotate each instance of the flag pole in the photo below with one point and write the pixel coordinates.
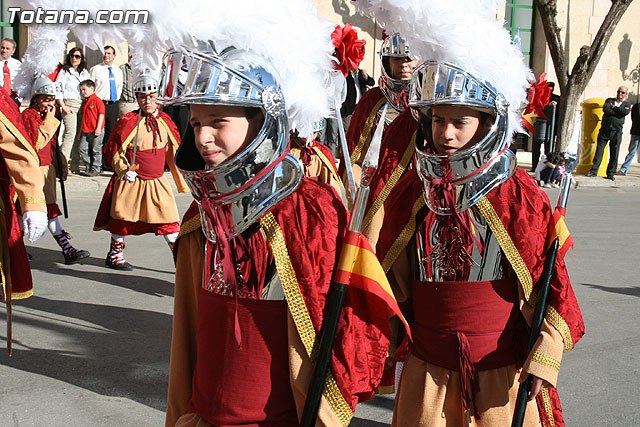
(335, 300)
(541, 306)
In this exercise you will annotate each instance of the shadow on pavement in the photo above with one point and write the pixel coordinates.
(633, 290)
(361, 422)
(112, 351)
(51, 261)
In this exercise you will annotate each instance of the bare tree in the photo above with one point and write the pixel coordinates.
(573, 85)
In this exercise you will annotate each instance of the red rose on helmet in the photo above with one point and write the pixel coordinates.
(349, 50)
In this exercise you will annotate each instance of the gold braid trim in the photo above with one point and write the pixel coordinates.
(545, 360)
(35, 200)
(299, 312)
(521, 270)
(393, 180)
(366, 131)
(19, 136)
(546, 399)
(508, 247)
(324, 159)
(21, 295)
(191, 225)
(404, 237)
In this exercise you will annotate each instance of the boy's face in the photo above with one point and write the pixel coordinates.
(45, 103)
(401, 68)
(455, 127)
(221, 131)
(147, 102)
(86, 91)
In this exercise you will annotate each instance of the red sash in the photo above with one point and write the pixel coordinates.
(468, 327)
(486, 313)
(151, 162)
(247, 386)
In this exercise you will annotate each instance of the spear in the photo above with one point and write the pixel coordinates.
(345, 155)
(541, 306)
(330, 322)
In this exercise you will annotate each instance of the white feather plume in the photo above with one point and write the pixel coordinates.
(41, 57)
(463, 33)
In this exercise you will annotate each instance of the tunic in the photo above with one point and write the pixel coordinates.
(146, 205)
(41, 133)
(311, 216)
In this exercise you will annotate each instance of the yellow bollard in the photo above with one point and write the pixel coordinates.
(591, 119)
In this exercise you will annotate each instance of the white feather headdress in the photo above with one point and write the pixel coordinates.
(41, 57)
(463, 33)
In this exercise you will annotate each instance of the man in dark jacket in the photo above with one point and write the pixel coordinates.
(635, 139)
(615, 110)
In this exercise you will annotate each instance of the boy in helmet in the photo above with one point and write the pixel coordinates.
(139, 198)
(396, 65)
(258, 248)
(41, 126)
(462, 232)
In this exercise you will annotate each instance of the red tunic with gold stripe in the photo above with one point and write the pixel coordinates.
(146, 205)
(518, 214)
(296, 248)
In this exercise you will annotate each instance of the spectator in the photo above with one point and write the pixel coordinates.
(108, 80)
(633, 144)
(544, 127)
(128, 99)
(10, 66)
(358, 81)
(548, 170)
(93, 112)
(615, 110)
(73, 72)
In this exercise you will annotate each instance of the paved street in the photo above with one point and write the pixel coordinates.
(91, 347)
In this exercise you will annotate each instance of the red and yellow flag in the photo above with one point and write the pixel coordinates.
(558, 230)
(358, 266)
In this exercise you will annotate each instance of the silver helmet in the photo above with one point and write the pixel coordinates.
(262, 173)
(474, 171)
(44, 86)
(395, 90)
(145, 82)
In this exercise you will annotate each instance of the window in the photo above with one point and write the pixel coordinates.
(519, 18)
(7, 30)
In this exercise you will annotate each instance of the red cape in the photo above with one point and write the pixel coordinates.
(315, 216)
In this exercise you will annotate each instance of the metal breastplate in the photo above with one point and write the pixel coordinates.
(491, 264)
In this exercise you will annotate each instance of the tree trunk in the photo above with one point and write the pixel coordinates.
(572, 85)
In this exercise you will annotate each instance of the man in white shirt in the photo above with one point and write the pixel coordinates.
(108, 79)
(8, 65)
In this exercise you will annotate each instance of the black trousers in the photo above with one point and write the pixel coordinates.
(110, 118)
(613, 138)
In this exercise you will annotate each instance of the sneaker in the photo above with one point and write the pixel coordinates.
(591, 174)
(547, 185)
(554, 185)
(621, 172)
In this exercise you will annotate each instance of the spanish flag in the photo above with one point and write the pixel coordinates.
(558, 230)
(358, 266)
